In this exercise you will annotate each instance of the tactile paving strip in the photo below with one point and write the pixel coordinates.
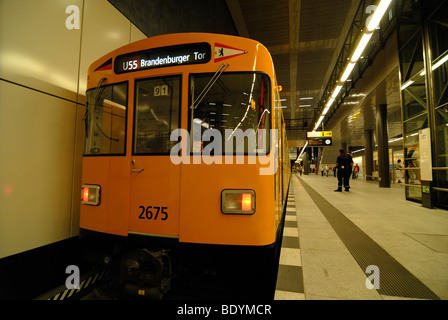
(290, 276)
(396, 280)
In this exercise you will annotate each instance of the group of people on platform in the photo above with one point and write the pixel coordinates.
(346, 168)
(325, 169)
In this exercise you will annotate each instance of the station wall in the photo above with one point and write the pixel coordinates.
(43, 71)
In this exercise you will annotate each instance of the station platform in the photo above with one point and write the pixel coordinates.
(366, 244)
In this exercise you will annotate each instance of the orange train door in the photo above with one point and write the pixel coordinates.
(154, 179)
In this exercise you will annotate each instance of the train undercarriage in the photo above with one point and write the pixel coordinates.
(164, 269)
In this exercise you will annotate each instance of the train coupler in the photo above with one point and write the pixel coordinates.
(146, 274)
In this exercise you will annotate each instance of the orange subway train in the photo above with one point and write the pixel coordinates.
(185, 147)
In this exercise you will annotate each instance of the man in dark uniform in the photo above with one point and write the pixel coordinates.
(344, 164)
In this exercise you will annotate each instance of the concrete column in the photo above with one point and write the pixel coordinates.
(368, 153)
(306, 161)
(315, 154)
(383, 145)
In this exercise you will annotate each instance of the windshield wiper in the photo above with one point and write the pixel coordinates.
(110, 138)
(209, 85)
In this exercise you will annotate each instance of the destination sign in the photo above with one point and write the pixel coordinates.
(320, 142)
(319, 134)
(192, 53)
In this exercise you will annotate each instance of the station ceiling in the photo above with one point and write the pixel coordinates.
(305, 38)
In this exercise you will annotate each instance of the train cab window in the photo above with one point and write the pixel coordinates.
(157, 114)
(105, 120)
(238, 106)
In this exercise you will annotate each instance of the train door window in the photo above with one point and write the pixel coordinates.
(105, 120)
(237, 105)
(157, 114)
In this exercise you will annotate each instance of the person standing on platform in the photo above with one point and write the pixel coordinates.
(322, 170)
(399, 171)
(355, 171)
(349, 153)
(326, 169)
(344, 163)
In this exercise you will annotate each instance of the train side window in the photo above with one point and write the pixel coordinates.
(157, 114)
(105, 120)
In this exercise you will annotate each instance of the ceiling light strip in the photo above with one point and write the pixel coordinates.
(378, 14)
(372, 24)
(361, 46)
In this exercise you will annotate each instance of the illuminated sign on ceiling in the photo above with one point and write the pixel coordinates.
(320, 138)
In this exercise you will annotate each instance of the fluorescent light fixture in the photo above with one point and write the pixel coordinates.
(307, 98)
(397, 139)
(347, 71)
(113, 104)
(330, 102)
(336, 92)
(440, 62)
(325, 110)
(407, 84)
(201, 122)
(378, 14)
(303, 150)
(304, 105)
(361, 46)
(282, 100)
(319, 122)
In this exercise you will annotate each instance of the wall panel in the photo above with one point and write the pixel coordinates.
(37, 49)
(36, 166)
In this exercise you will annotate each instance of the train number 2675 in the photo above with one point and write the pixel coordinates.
(154, 213)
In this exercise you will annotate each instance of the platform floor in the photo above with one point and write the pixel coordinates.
(337, 244)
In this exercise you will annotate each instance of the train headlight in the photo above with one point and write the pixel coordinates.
(238, 201)
(90, 194)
